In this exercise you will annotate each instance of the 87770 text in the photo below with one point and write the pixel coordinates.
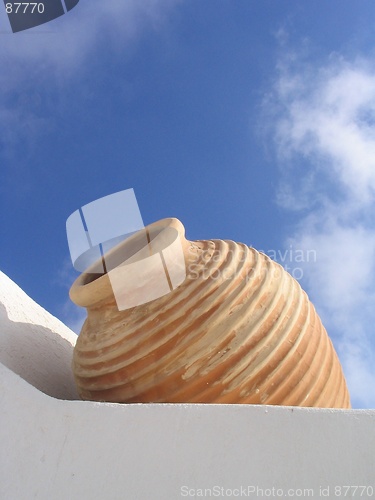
(24, 8)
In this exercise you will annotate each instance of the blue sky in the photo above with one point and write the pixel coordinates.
(248, 120)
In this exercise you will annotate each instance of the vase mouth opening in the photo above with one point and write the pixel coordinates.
(88, 277)
(94, 285)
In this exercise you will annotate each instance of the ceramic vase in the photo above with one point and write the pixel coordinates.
(236, 329)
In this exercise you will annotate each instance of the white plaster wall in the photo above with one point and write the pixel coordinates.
(34, 344)
(55, 449)
(60, 449)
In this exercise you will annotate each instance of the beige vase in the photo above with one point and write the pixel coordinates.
(238, 329)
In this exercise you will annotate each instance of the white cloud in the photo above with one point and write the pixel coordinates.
(71, 314)
(325, 135)
(48, 60)
(51, 56)
(65, 43)
(329, 118)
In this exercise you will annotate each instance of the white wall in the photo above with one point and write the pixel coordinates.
(34, 344)
(59, 449)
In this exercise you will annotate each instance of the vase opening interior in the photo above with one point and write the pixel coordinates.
(139, 245)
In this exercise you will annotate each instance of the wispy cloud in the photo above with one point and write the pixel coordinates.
(324, 132)
(66, 42)
(39, 66)
(72, 315)
(38, 62)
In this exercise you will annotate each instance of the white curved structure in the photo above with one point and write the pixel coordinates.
(53, 447)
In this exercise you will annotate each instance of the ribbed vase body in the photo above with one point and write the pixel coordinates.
(239, 329)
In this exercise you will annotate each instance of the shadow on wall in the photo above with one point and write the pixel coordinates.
(39, 355)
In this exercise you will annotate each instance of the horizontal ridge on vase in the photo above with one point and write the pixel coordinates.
(238, 329)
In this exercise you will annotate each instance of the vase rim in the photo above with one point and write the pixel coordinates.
(90, 287)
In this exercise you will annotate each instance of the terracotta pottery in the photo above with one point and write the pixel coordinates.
(238, 329)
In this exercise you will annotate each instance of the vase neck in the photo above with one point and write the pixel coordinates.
(135, 259)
